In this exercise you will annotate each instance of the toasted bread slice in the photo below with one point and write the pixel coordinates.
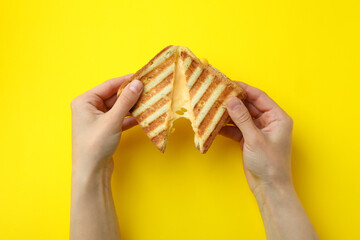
(178, 84)
(153, 109)
(208, 89)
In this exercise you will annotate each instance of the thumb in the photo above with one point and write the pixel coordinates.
(127, 99)
(241, 117)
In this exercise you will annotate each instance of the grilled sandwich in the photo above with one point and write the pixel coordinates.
(178, 84)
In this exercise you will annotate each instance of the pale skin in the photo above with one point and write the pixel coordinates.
(261, 127)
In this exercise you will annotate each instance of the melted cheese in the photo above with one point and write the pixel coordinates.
(180, 98)
(181, 106)
(204, 61)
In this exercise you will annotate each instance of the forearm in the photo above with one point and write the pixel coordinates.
(93, 214)
(283, 215)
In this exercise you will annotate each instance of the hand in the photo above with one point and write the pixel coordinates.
(98, 118)
(264, 132)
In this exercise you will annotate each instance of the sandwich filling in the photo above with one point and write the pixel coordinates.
(181, 106)
(180, 99)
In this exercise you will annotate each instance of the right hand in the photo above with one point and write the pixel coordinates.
(264, 131)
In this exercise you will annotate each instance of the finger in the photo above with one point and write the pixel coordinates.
(109, 88)
(127, 99)
(128, 123)
(267, 119)
(258, 98)
(254, 112)
(110, 101)
(242, 118)
(259, 123)
(231, 132)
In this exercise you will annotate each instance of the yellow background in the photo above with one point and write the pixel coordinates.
(304, 54)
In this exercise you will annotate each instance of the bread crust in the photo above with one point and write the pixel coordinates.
(144, 68)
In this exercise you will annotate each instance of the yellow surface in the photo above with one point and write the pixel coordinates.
(305, 54)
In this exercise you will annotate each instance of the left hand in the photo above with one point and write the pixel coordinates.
(98, 118)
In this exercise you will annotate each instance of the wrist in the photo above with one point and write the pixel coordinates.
(282, 213)
(274, 191)
(90, 176)
(276, 200)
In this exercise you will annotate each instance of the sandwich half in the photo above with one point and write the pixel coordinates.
(178, 84)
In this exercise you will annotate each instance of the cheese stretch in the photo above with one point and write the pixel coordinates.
(180, 106)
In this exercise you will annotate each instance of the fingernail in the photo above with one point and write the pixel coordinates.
(136, 86)
(233, 103)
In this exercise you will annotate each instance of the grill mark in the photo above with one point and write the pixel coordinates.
(209, 117)
(158, 70)
(159, 138)
(223, 120)
(157, 122)
(143, 71)
(194, 77)
(142, 116)
(190, 71)
(186, 63)
(200, 92)
(146, 101)
(198, 83)
(164, 83)
(152, 64)
(184, 55)
(155, 61)
(210, 102)
(200, 104)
